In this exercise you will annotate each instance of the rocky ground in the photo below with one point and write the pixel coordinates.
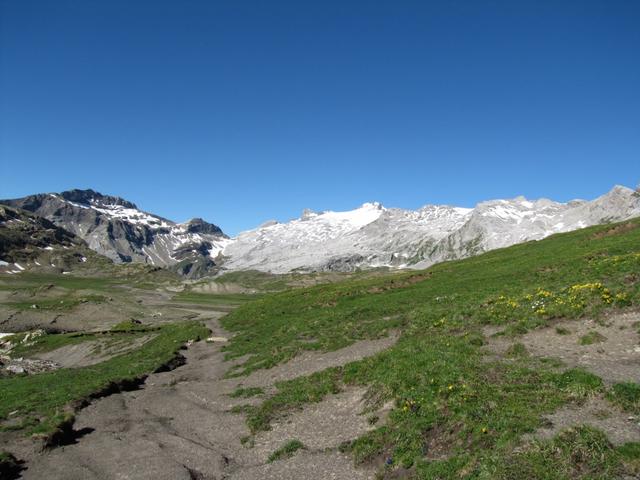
(180, 425)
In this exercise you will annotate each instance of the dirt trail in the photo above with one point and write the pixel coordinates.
(178, 426)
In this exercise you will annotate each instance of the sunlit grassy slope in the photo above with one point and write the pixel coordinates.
(459, 412)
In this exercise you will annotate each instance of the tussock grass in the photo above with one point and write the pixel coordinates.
(626, 395)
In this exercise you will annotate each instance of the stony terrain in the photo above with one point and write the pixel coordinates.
(182, 426)
(27, 241)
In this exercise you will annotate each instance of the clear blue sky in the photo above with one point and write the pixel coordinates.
(242, 111)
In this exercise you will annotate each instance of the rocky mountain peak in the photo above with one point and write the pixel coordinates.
(198, 225)
(117, 229)
(372, 206)
(308, 214)
(367, 236)
(91, 197)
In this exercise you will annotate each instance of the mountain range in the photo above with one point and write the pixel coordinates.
(366, 237)
(119, 230)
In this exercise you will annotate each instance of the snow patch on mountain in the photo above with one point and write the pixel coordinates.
(118, 229)
(369, 236)
(375, 236)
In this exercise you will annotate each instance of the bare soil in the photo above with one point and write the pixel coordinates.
(615, 359)
(620, 427)
(179, 426)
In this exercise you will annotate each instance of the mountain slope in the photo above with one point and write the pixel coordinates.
(367, 237)
(31, 242)
(374, 236)
(117, 229)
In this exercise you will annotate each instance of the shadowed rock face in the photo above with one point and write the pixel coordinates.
(27, 239)
(117, 229)
(87, 197)
(198, 225)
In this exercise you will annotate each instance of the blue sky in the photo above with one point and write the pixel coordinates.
(243, 111)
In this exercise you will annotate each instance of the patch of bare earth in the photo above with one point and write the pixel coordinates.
(339, 418)
(615, 357)
(308, 465)
(321, 427)
(179, 426)
(597, 412)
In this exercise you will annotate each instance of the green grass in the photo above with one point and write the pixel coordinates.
(626, 395)
(123, 332)
(42, 401)
(255, 280)
(30, 280)
(517, 350)
(630, 455)
(438, 374)
(214, 299)
(54, 292)
(270, 282)
(64, 303)
(581, 452)
(591, 338)
(128, 326)
(247, 392)
(286, 451)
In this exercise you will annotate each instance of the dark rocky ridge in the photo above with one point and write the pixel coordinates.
(26, 239)
(117, 229)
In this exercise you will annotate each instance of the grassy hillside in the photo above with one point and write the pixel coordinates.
(459, 411)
